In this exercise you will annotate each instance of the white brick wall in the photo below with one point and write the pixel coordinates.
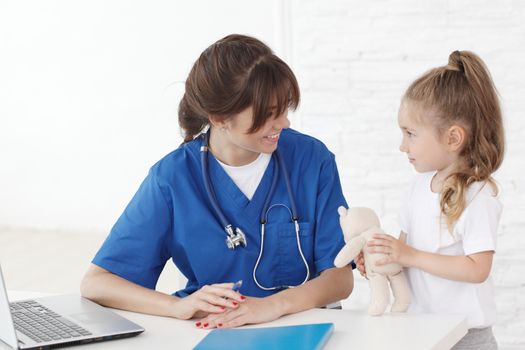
(354, 59)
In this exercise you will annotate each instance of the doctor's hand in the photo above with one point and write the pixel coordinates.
(396, 250)
(252, 311)
(210, 299)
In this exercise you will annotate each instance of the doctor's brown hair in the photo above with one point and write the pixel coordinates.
(463, 93)
(231, 75)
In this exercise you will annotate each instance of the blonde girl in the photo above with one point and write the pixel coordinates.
(453, 136)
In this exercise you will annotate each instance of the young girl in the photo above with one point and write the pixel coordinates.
(453, 136)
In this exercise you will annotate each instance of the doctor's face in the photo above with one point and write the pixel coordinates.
(263, 140)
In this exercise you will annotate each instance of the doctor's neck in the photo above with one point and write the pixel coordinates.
(230, 149)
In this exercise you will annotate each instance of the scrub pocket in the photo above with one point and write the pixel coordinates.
(281, 253)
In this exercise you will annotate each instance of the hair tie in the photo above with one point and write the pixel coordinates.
(457, 61)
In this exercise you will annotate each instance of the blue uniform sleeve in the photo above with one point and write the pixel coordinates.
(138, 246)
(329, 239)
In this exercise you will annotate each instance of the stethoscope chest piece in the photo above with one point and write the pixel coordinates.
(235, 239)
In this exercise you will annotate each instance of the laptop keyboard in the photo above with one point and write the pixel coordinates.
(43, 325)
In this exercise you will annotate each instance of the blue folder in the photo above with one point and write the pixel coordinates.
(304, 337)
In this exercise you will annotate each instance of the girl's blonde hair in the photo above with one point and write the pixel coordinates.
(463, 93)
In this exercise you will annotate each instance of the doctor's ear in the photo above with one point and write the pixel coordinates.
(218, 122)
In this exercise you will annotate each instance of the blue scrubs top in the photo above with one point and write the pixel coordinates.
(170, 217)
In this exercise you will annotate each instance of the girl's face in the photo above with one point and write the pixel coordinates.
(426, 150)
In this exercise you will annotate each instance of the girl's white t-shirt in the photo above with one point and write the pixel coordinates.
(474, 232)
(247, 177)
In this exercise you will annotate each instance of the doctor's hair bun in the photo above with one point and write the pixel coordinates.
(192, 122)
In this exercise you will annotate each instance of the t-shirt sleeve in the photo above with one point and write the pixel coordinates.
(137, 247)
(329, 239)
(480, 225)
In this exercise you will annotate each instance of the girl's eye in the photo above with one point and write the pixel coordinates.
(410, 134)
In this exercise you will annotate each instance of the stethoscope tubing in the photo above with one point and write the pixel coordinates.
(263, 225)
(209, 188)
(278, 163)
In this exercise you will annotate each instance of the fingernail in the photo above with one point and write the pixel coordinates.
(243, 297)
(205, 325)
(219, 324)
(234, 303)
(222, 307)
(197, 324)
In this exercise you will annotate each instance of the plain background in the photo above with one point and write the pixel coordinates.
(89, 93)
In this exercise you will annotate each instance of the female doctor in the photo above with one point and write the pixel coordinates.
(243, 198)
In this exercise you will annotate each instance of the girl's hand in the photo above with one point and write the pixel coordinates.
(396, 250)
(210, 299)
(253, 310)
(360, 263)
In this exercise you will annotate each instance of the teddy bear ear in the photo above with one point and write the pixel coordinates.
(341, 210)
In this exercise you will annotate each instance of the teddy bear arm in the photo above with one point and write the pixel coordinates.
(349, 251)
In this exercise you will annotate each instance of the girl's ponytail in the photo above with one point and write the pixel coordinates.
(488, 145)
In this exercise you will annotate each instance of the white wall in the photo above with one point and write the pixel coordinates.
(354, 59)
(88, 98)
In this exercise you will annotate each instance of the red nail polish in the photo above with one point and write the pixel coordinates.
(205, 325)
(197, 324)
(223, 308)
(243, 297)
(219, 324)
(234, 303)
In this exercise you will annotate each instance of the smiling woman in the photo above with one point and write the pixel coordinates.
(239, 166)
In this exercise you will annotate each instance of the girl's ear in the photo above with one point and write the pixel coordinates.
(456, 136)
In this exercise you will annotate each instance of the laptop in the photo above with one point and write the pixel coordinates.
(58, 321)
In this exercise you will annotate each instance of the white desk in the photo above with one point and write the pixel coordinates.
(353, 330)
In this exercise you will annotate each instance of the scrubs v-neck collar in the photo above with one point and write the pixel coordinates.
(229, 194)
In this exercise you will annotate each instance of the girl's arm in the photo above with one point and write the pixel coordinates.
(474, 268)
(331, 285)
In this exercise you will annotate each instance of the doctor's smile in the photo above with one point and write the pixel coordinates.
(272, 138)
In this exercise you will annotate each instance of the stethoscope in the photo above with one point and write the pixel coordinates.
(235, 236)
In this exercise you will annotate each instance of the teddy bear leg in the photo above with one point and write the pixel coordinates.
(379, 295)
(401, 292)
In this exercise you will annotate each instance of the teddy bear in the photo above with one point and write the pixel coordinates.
(359, 225)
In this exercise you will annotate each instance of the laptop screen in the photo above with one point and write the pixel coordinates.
(7, 329)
